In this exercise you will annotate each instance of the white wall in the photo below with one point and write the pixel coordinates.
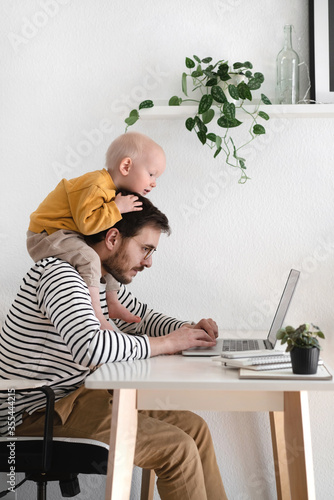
(71, 67)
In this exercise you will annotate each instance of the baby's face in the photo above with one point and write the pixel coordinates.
(143, 175)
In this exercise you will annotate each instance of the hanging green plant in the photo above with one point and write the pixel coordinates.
(223, 92)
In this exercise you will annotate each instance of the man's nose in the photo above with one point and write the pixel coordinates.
(153, 182)
(148, 262)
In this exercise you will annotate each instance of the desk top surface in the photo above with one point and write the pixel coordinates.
(187, 373)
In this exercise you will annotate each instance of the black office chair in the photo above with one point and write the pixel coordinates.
(44, 459)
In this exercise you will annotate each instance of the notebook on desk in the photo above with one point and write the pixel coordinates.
(234, 348)
(286, 373)
(259, 362)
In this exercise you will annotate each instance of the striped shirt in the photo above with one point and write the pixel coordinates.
(51, 333)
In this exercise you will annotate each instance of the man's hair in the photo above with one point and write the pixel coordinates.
(132, 222)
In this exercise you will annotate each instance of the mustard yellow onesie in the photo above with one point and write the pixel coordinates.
(81, 206)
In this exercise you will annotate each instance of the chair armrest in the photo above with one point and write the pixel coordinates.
(20, 384)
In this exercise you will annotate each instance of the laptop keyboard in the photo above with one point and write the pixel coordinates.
(240, 345)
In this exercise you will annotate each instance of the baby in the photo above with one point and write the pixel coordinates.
(87, 205)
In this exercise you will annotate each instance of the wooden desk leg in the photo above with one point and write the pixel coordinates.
(280, 455)
(147, 484)
(298, 445)
(122, 444)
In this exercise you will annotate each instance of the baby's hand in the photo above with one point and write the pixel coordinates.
(128, 203)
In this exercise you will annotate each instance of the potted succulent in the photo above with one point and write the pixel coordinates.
(220, 91)
(303, 345)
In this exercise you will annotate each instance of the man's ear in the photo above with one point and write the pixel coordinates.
(111, 238)
(125, 166)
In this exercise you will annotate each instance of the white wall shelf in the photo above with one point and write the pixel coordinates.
(159, 112)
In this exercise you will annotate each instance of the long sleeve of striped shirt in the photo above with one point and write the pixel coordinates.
(51, 333)
(62, 297)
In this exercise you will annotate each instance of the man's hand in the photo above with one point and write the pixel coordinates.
(208, 325)
(183, 338)
(128, 203)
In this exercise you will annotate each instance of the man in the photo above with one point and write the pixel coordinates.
(51, 333)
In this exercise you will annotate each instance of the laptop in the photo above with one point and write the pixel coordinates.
(236, 348)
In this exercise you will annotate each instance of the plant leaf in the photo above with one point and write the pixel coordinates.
(225, 122)
(218, 94)
(197, 59)
(200, 125)
(224, 78)
(211, 82)
(259, 76)
(175, 101)
(233, 91)
(244, 92)
(265, 99)
(217, 152)
(211, 137)
(197, 73)
(259, 129)
(209, 73)
(238, 65)
(229, 110)
(202, 136)
(146, 104)
(280, 334)
(190, 63)
(263, 115)
(205, 103)
(207, 60)
(190, 123)
(132, 118)
(254, 84)
(208, 115)
(223, 72)
(184, 84)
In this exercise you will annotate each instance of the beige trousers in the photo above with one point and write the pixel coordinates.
(176, 444)
(71, 247)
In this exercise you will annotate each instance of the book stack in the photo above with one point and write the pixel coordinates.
(272, 367)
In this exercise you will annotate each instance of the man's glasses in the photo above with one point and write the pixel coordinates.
(149, 252)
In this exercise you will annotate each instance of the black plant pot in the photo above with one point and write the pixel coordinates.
(304, 360)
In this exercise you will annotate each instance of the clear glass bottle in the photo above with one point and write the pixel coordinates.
(287, 64)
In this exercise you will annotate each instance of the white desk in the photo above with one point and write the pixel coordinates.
(184, 383)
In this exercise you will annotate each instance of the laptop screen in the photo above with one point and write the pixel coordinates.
(283, 305)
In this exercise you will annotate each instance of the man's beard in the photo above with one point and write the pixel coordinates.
(117, 265)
